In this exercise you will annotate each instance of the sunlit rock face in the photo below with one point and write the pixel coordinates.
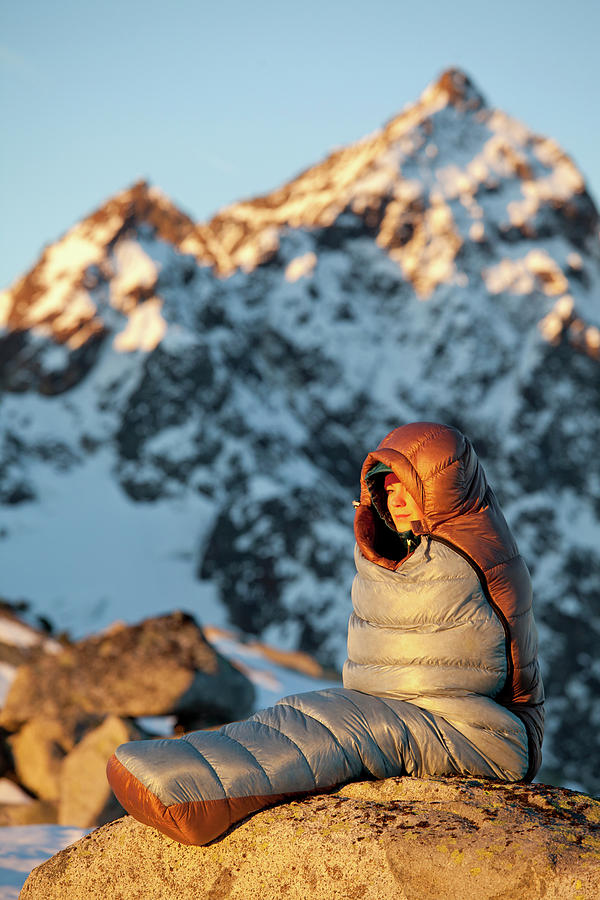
(396, 838)
(186, 406)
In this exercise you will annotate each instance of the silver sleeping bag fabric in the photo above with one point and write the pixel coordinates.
(426, 656)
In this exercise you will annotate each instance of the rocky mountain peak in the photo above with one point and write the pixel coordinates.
(444, 180)
(143, 204)
(99, 278)
(363, 179)
(460, 90)
(54, 298)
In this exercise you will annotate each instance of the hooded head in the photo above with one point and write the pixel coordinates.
(439, 471)
(390, 500)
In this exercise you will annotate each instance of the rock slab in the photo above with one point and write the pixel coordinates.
(400, 838)
(38, 751)
(160, 667)
(85, 795)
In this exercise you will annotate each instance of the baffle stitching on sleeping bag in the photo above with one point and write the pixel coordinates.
(503, 564)
(508, 732)
(431, 719)
(432, 662)
(526, 612)
(364, 722)
(387, 582)
(292, 741)
(403, 625)
(210, 766)
(404, 725)
(413, 579)
(249, 752)
(319, 722)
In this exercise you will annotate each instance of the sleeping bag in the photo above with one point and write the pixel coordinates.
(442, 676)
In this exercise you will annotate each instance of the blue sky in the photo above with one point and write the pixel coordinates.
(217, 101)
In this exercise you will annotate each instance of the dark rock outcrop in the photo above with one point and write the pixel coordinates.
(163, 666)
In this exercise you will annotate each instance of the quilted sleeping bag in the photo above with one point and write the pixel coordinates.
(441, 677)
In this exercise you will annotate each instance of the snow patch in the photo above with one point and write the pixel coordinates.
(6, 303)
(68, 307)
(11, 793)
(300, 267)
(536, 271)
(7, 676)
(159, 725)
(17, 634)
(104, 556)
(272, 682)
(73, 252)
(134, 271)
(144, 330)
(23, 847)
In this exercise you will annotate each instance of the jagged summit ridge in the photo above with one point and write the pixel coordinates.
(444, 173)
(424, 185)
(459, 89)
(55, 296)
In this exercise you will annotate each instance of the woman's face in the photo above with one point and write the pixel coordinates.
(402, 507)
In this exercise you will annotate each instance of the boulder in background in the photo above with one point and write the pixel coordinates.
(85, 795)
(39, 749)
(160, 667)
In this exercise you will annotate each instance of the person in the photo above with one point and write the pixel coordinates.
(442, 675)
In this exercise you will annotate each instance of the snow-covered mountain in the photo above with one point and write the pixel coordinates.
(185, 407)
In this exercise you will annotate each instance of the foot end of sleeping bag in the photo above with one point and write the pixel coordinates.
(189, 821)
(196, 822)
